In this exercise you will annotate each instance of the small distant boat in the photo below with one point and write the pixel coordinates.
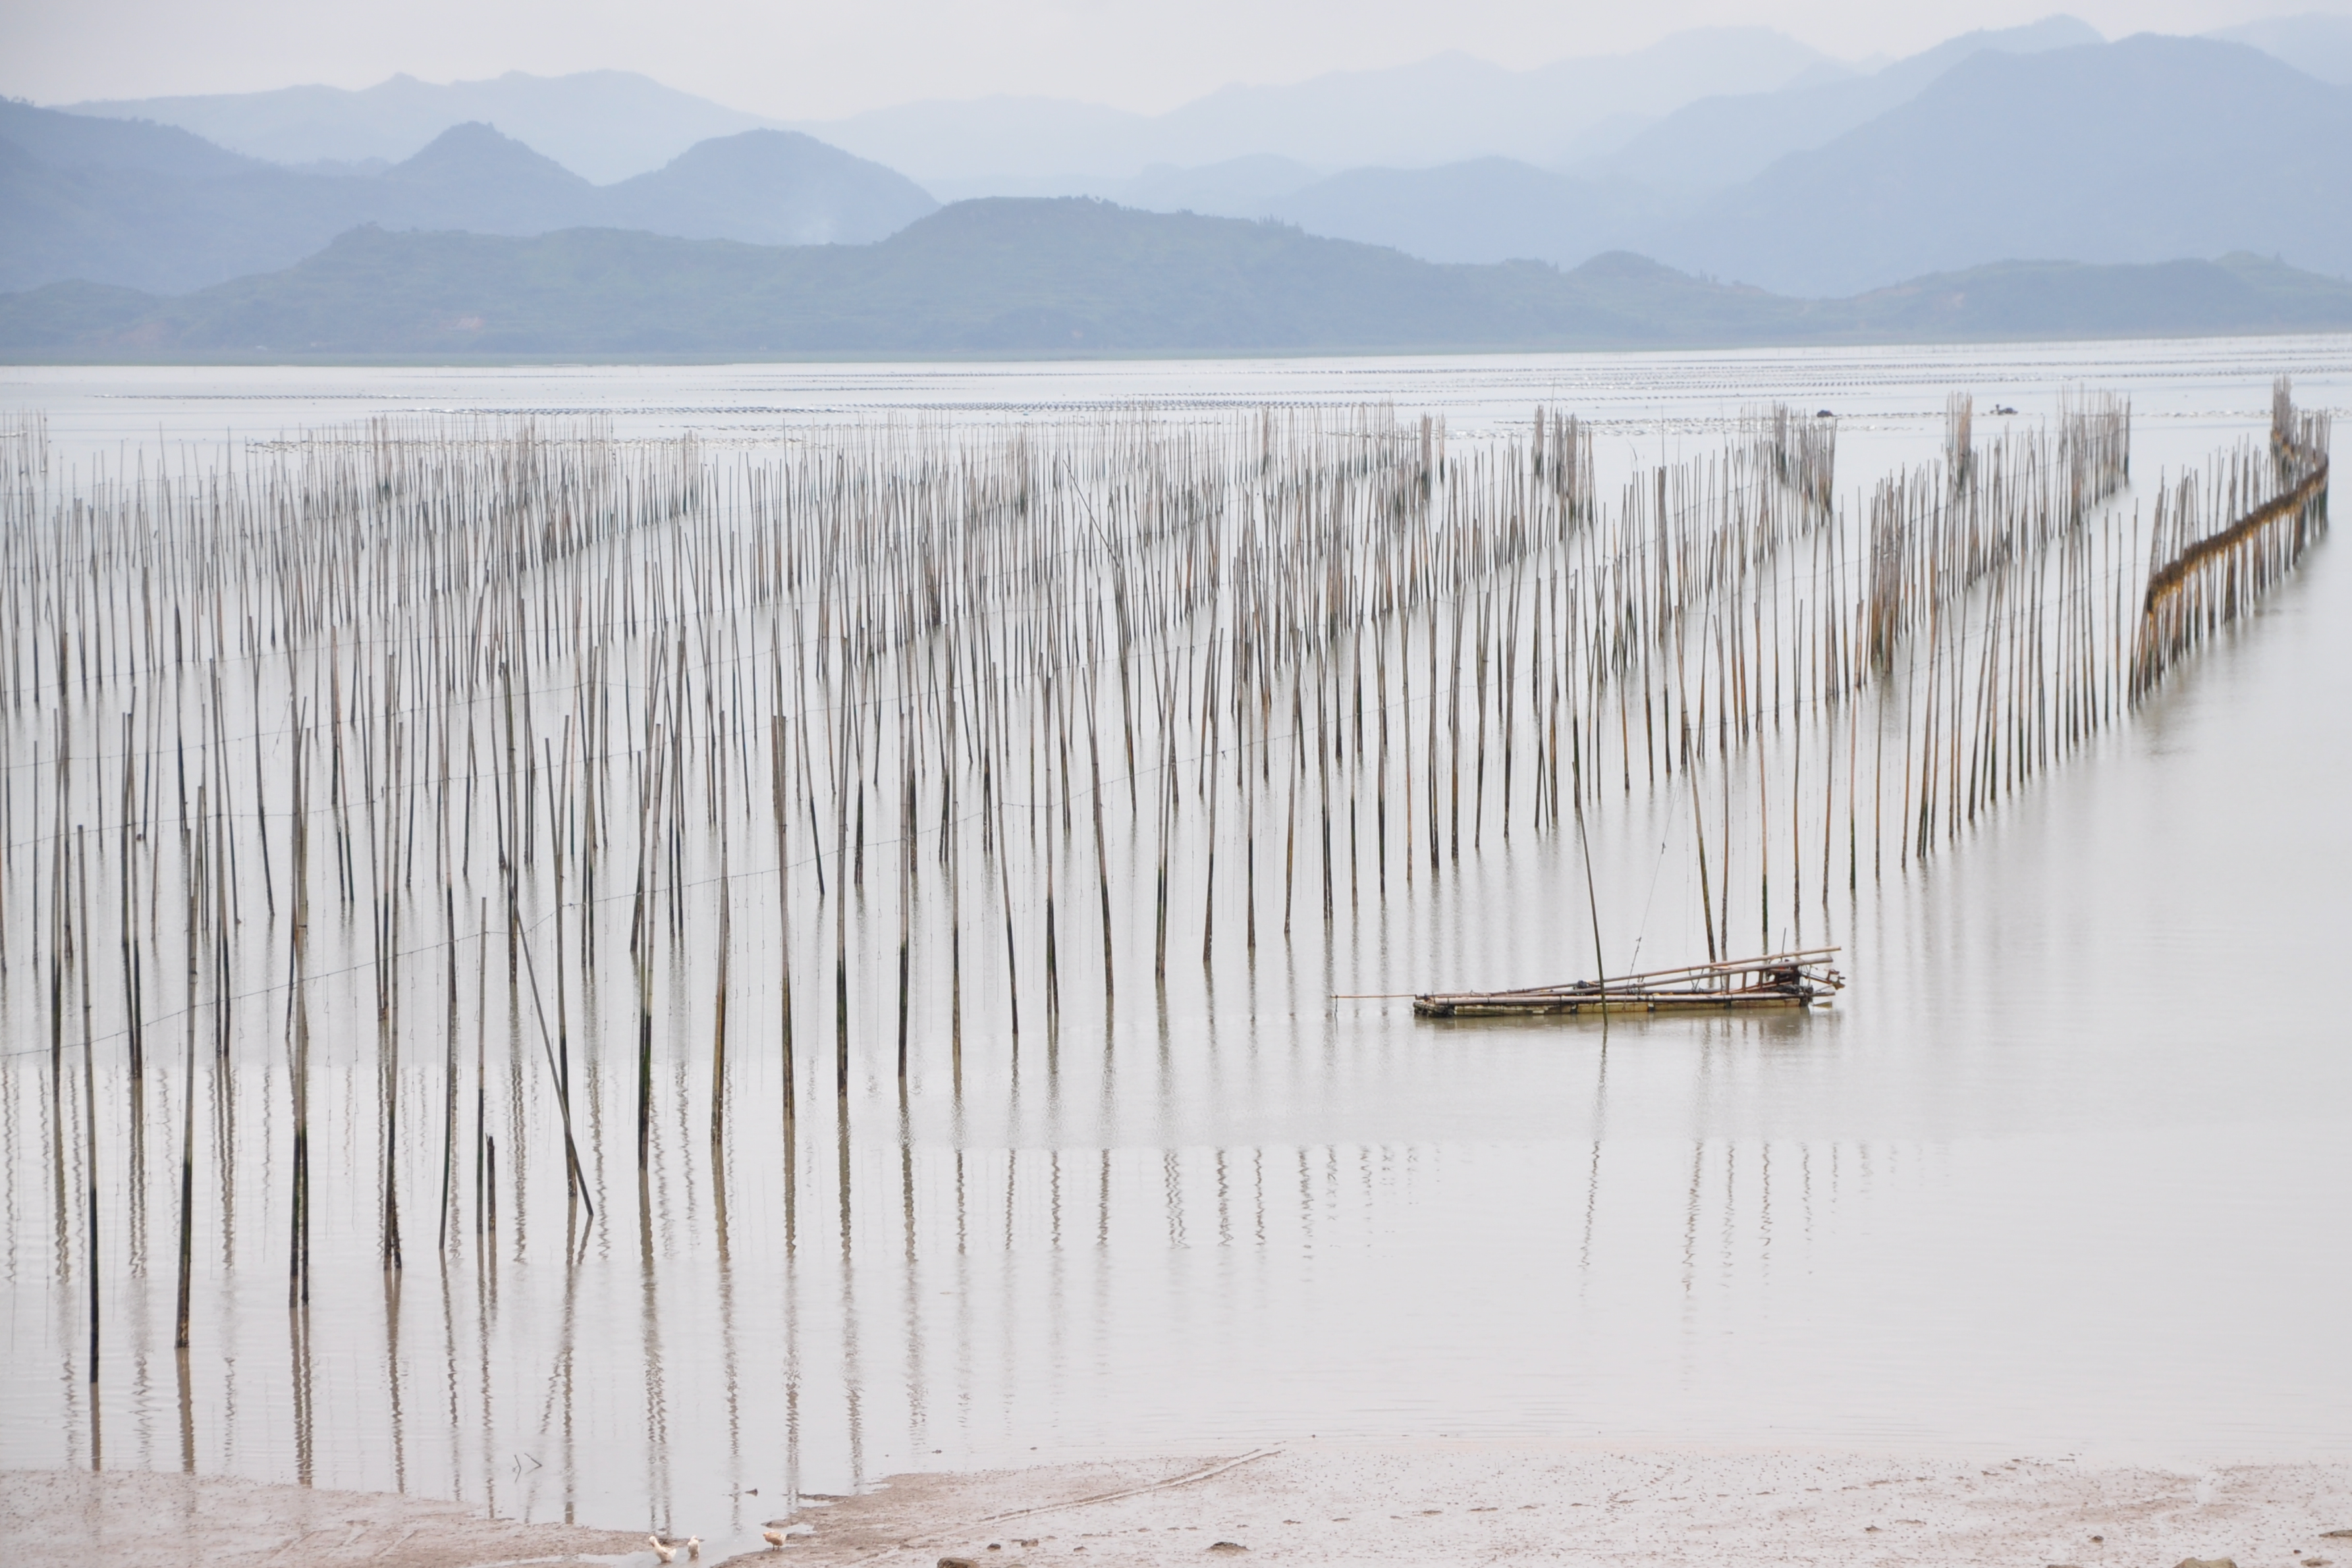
(1799, 979)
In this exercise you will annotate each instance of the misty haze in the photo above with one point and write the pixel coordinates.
(946, 786)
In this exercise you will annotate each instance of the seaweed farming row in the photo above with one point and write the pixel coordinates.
(488, 826)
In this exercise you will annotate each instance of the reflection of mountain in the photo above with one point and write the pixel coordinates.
(121, 202)
(1065, 277)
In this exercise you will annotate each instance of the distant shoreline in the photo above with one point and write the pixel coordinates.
(11, 360)
(1007, 279)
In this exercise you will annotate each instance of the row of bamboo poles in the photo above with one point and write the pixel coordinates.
(1040, 715)
(2218, 548)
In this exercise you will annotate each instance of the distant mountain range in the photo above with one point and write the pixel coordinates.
(1073, 276)
(2132, 152)
(610, 125)
(1488, 209)
(602, 125)
(153, 207)
(1717, 141)
(1695, 111)
(1997, 145)
(2318, 43)
(1435, 112)
(1634, 164)
(1728, 154)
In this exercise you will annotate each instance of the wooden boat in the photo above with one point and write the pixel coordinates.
(1799, 979)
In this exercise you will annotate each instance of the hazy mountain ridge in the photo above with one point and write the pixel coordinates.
(610, 125)
(1495, 208)
(1653, 194)
(2315, 43)
(1072, 277)
(602, 125)
(2002, 144)
(2140, 150)
(1720, 140)
(104, 207)
(1695, 112)
(768, 187)
(1438, 110)
(1487, 210)
(1653, 114)
(73, 141)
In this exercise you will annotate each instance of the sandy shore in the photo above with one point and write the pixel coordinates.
(135, 1519)
(1466, 1505)
(1311, 1504)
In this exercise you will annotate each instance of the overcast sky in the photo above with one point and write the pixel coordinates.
(795, 59)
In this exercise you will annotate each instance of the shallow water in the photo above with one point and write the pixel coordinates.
(2063, 1172)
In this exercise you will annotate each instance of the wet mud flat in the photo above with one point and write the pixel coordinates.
(142, 1518)
(1303, 1503)
(1334, 1503)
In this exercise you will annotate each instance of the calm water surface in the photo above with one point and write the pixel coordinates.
(2066, 1171)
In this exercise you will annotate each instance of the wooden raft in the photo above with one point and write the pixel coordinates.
(1799, 979)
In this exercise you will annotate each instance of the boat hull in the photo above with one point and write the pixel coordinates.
(1777, 981)
(1472, 1005)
